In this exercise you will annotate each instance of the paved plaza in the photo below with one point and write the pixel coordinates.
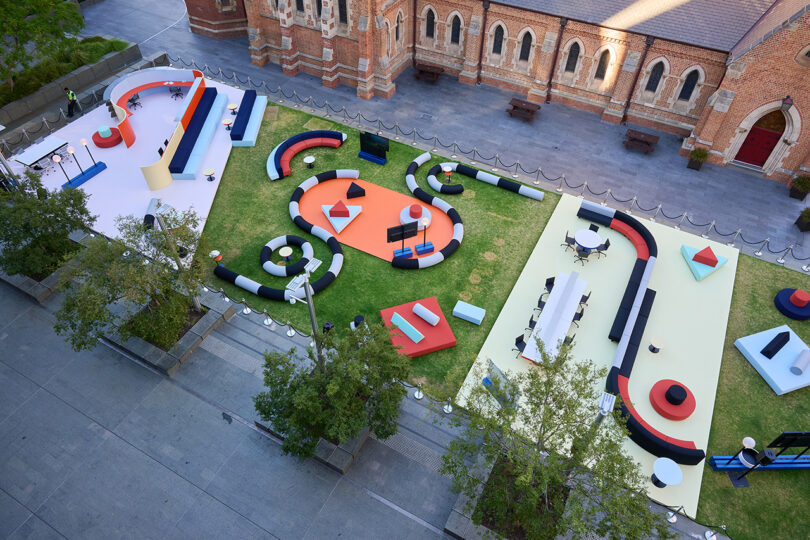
(561, 140)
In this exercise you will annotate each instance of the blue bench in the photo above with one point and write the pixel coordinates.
(253, 125)
(204, 137)
(245, 110)
(184, 149)
(469, 312)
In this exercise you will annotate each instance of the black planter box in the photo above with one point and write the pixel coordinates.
(797, 194)
(694, 164)
(803, 225)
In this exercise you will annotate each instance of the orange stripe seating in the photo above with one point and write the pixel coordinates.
(635, 238)
(300, 146)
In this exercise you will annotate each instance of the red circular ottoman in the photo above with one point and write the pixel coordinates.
(799, 298)
(672, 400)
(107, 142)
(415, 211)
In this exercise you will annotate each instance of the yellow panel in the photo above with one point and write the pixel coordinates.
(157, 174)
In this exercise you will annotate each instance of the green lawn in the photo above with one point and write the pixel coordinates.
(777, 505)
(500, 231)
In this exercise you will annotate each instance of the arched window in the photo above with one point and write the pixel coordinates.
(455, 30)
(655, 77)
(497, 41)
(276, 6)
(573, 56)
(601, 68)
(319, 7)
(430, 23)
(689, 85)
(807, 54)
(299, 6)
(398, 28)
(525, 47)
(343, 16)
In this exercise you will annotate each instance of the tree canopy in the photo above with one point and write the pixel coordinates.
(555, 470)
(140, 270)
(32, 30)
(35, 224)
(353, 386)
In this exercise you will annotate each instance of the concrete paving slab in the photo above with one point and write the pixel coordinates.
(209, 518)
(41, 444)
(12, 303)
(182, 432)
(16, 390)
(31, 336)
(35, 529)
(340, 514)
(12, 514)
(257, 477)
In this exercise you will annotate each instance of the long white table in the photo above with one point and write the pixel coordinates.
(38, 151)
(556, 317)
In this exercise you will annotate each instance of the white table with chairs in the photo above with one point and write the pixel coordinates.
(41, 150)
(556, 317)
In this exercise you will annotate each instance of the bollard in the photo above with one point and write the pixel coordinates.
(268, 321)
(731, 242)
(448, 407)
(222, 292)
(607, 194)
(537, 177)
(678, 226)
(418, 394)
(562, 179)
(657, 210)
(706, 234)
(632, 202)
(246, 310)
(758, 252)
(515, 174)
(582, 193)
(781, 259)
(455, 149)
(290, 330)
(435, 143)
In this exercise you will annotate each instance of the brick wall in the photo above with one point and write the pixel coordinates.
(217, 18)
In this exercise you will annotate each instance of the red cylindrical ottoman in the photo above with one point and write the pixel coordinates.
(107, 142)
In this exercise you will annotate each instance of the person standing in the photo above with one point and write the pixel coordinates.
(71, 95)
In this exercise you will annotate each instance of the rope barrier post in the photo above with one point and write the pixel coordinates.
(781, 259)
(246, 310)
(607, 194)
(267, 320)
(326, 106)
(806, 268)
(537, 177)
(46, 123)
(290, 330)
(495, 164)
(515, 174)
(758, 253)
(582, 193)
(345, 115)
(560, 187)
(379, 125)
(280, 94)
(448, 407)
(418, 394)
(224, 296)
(678, 226)
(26, 134)
(413, 141)
(657, 210)
(730, 243)
(706, 234)
(473, 159)
(632, 202)
(295, 95)
(455, 149)
(396, 131)
(435, 142)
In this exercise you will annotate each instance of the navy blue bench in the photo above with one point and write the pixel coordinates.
(243, 116)
(186, 145)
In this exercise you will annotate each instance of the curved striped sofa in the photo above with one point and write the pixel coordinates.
(627, 330)
(278, 162)
(454, 189)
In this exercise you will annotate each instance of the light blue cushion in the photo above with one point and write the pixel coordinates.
(105, 131)
(469, 312)
(406, 327)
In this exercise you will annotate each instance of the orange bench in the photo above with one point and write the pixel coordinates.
(303, 145)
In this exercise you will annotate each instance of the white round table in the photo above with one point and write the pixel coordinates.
(666, 473)
(286, 253)
(587, 239)
(308, 161)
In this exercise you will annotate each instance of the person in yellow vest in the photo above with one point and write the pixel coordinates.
(71, 95)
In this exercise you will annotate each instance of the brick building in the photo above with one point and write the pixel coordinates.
(713, 71)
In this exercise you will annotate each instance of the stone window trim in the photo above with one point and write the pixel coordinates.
(603, 85)
(498, 37)
(399, 31)
(523, 64)
(496, 58)
(803, 57)
(343, 28)
(648, 97)
(224, 6)
(793, 127)
(428, 25)
(569, 78)
(685, 106)
(456, 48)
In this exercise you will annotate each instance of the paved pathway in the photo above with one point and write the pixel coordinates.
(560, 140)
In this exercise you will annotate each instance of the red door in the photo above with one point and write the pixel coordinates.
(758, 146)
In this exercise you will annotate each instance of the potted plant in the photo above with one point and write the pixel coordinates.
(803, 221)
(800, 187)
(697, 157)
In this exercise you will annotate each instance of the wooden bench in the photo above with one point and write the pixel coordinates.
(427, 72)
(522, 108)
(523, 113)
(632, 143)
(640, 140)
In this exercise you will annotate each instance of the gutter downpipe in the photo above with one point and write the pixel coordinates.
(648, 41)
(413, 36)
(563, 22)
(485, 3)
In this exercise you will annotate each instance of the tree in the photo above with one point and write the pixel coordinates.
(556, 471)
(35, 224)
(353, 386)
(32, 30)
(141, 269)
